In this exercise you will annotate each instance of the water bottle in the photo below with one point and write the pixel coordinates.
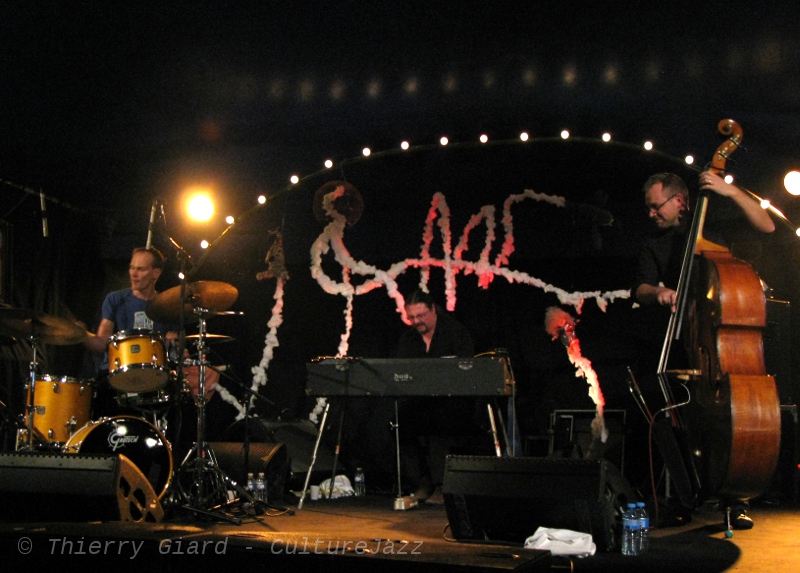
(629, 530)
(261, 487)
(251, 485)
(644, 527)
(358, 483)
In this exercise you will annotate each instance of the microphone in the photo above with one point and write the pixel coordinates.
(566, 334)
(150, 226)
(43, 205)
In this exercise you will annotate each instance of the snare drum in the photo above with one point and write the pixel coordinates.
(62, 405)
(137, 439)
(137, 361)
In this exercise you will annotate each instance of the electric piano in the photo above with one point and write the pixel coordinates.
(483, 376)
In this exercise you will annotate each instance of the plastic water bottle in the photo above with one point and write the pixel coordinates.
(644, 527)
(358, 483)
(630, 525)
(261, 487)
(251, 484)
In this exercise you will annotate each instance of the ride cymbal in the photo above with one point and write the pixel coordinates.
(213, 296)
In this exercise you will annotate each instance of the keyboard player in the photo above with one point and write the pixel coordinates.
(429, 427)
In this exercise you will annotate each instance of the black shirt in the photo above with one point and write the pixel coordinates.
(450, 338)
(661, 255)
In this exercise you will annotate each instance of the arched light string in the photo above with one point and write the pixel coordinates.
(331, 242)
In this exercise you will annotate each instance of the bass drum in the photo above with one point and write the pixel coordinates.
(137, 439)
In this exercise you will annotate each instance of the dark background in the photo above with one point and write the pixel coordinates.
(105, 107)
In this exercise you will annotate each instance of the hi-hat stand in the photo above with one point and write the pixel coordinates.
(209, 484)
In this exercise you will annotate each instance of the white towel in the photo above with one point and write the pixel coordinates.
(562, 542)
(341, 487)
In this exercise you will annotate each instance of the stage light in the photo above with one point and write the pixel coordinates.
(606, 137)
(230, 220)
(204, 244)
(728, 178)
(484, 138)
(294, 179)
(765, 204)
(200, 206)
(791, 182)
(366, 152)
(689, 159)
(564, 134)
(648, 145)
(262, 199)
(405, 145)
(443, 140)
(524, 136)
(328, 163)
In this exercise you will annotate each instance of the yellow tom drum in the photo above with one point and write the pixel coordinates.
(61, 406)
(137, 361)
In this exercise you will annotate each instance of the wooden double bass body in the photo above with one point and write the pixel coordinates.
(732, 420)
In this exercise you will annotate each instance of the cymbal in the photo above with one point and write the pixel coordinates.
(211, 338)
(21, 323)
(209, 295)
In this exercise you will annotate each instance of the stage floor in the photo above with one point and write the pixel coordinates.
(353, 534)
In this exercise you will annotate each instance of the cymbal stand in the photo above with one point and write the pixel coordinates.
(210, 484)
(31, 407)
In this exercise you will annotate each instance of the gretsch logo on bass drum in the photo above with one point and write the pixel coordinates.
(116, 440)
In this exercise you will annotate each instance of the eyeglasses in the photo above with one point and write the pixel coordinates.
(420, 316)
(657, 208)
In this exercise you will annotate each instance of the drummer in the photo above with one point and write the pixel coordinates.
(124, 309)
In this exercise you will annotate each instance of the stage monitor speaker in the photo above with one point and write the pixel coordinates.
(300, 438)
(507, 499)
(272, 459)
(56, 487)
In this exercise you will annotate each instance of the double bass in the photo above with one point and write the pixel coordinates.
(731, 420)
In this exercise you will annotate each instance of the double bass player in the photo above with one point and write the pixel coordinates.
(660, 260)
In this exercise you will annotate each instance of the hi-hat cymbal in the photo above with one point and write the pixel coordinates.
(211, 338)
(209, 295)
(21, 323)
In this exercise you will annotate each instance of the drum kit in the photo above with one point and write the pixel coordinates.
(57, 414)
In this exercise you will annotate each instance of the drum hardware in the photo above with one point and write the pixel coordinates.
(207, 486)
(207, 489)
(37, 328)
